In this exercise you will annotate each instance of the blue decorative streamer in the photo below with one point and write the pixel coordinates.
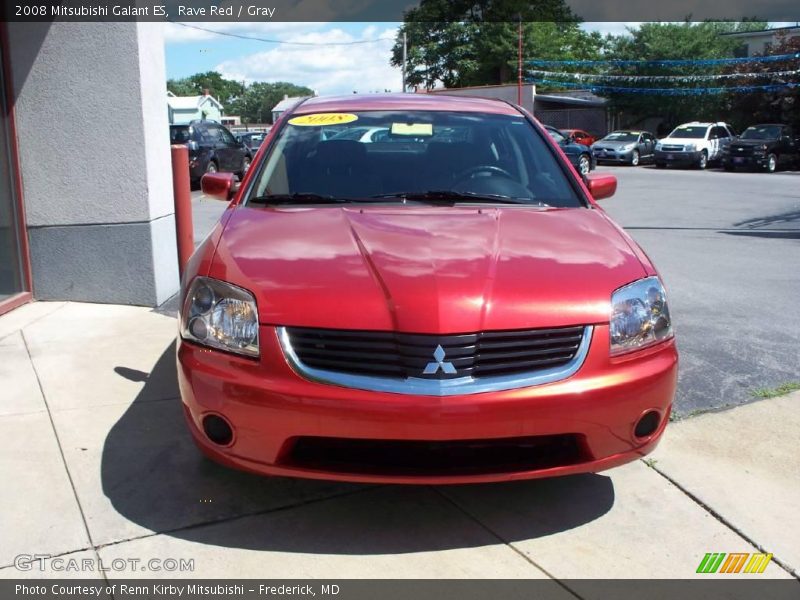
(666, 62)
(667, 91)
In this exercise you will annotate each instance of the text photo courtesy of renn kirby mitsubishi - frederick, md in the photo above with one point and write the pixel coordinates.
(399, 299)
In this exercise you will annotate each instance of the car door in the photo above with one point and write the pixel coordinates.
(723, 139)
(787, 148)
(648, 145)
(236, 150)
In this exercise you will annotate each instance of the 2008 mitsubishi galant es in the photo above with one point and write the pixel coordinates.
(440, 301)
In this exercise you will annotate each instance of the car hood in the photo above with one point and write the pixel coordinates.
(682, 141)
(751, 143)
(612, 144)
(426, 269)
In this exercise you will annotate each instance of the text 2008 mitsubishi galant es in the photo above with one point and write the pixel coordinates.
(421, 289)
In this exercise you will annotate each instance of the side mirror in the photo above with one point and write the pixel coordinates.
(601, 185)
(221, 186)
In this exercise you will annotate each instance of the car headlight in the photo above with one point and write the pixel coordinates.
(220, 315)
(639, 316)
(690, 147)
(629, 147)
(658, 146)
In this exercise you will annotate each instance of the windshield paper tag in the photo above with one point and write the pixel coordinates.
(412, 129)
(323, 119)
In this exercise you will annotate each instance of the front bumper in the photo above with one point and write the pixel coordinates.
(673, 157)
(614, 157)
(270, 408)
(752, 161)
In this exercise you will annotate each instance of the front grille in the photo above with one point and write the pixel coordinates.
(671, 148)
(741, 150)
(432, 458)
(402, 355)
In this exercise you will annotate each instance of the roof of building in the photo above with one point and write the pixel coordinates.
(190, 102)
(287, 103)
(757, 32)
(441, 101)
(584, 99)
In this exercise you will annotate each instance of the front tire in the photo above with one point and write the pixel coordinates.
(772, 163)
(211, 167)
(702, 163)
(584, 164)
(635, 158)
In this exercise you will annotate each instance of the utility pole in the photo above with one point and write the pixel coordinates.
(519, 63)
(405, 56)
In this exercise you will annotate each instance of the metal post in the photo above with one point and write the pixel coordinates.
(181, 189)
(519, 64)
(405, 55)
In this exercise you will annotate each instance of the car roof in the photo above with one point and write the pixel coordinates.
(440, 102)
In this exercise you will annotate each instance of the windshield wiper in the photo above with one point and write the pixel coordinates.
(451, 197)
(296, 198)
(306, 198)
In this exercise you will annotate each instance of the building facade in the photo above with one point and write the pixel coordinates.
(86, 207)
(184, 109)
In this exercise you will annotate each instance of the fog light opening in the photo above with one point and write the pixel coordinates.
(217, 430)
(647, 425)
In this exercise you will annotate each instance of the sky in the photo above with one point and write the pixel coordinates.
(357, 59)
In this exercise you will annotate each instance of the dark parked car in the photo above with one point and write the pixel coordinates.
(625, 147)
(767, 147)
(579, 155)
(212, 148)
(252, 139)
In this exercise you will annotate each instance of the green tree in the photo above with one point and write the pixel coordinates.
(463, 43)
(255, 105)
(224, 90)
(782, 106)
(678, 41)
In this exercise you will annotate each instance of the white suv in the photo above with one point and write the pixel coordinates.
(694, 143)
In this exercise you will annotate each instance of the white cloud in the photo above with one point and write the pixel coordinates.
(612, 27)
(327, 69)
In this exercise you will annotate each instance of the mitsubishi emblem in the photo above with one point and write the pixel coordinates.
(433, 367)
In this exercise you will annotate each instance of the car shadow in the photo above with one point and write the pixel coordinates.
(155, 477)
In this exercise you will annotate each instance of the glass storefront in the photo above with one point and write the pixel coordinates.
(11, 260)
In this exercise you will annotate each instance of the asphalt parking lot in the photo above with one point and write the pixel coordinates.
(728, 248)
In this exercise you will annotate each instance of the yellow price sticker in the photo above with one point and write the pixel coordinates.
(319, 119)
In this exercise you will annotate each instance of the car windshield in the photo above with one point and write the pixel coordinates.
(179, 134)
(404, 156)
(761, 132)
(556, 135)
(698, 132)
(621, 136)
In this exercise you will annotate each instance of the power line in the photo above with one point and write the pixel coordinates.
(269, 41)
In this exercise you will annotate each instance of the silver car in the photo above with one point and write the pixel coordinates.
(625, 147)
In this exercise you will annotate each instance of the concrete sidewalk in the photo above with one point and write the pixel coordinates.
(99, 465)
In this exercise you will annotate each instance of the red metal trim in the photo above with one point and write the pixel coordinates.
(22, 230)
(15, 301)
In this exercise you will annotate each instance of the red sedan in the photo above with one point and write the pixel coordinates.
(580, 136)
(443, 303)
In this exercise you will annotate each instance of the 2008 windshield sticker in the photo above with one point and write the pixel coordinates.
(323, 119)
